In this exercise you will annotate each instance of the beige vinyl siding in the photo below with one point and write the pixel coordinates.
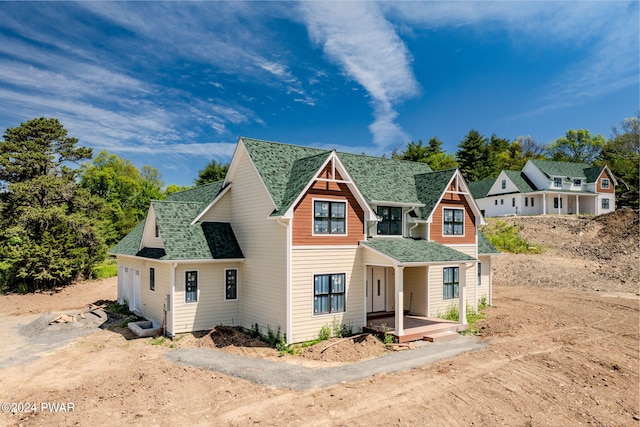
(151, 302)
(374, 258)
(415, 290)
(439, 305)
(308, 262)
(391, 288)
(263, 241)
(221, 211)
(484, 288)
(211, 309)
(149, 239)
(465, 249)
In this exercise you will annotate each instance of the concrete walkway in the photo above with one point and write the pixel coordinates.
(296, 377)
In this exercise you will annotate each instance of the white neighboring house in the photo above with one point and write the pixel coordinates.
(547, 187)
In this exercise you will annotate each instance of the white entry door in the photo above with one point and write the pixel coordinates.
(376, 289)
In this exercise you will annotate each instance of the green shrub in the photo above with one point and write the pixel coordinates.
(325, 333)
(108, 268)
(507, 238)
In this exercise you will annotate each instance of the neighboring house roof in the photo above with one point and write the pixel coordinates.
(484, 245)
(520, 180)
(182, 241)
(562, 169)
(407, 250)
(480, 189)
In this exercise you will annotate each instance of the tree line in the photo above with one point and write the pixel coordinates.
(61, 209)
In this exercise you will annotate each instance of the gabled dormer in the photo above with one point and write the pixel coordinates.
(151, 236)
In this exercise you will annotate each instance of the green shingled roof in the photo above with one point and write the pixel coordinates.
(182, 241)
(521, 182)
(409, 250)
(561, 169)
(286, 169)
(430, 187)
(484, 245)
(202, 194)
(593, 173)
(480, 189)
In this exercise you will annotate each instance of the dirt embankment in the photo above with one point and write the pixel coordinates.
(598, 253)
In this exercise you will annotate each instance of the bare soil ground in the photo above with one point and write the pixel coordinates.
(563, 349)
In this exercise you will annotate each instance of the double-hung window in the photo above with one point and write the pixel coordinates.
(605, 203)
(391, 221)
(453, 222)
(328, 293)
(557, 182)
(557, 201)
(450, 282)
(605, 183)
(329, 217)
(191, 286)
(231, 284)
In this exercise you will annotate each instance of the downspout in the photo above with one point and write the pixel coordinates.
(415, 224)
(286, 223)
(172, 302)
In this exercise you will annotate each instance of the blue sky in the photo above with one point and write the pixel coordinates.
(174, 85)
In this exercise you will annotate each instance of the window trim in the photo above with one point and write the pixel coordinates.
(577, 182)
(526, 202)
(152, 279)
(313, 294)
(504, 184)
(513, 202)
(479, 275)
(444, 208)
(532, 202)
(557, 201)
(197, 286)
(605, 199)
(557, 180)
(237, 284)
(313, 216)
(454, 283)
(401, 234)
(602, 183)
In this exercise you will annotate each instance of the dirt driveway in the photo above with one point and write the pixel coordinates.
(558, 354)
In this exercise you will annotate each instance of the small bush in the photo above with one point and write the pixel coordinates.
(507, 238)
(325, 333)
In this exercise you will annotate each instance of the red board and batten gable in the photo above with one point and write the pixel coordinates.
(302, 231)
(453, 198)
(606, 175)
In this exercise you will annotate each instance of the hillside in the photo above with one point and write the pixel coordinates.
(597, 253)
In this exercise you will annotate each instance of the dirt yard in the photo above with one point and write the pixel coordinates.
(563, 336)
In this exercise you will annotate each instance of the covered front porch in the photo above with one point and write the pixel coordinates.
(415, 327)
(406, 287)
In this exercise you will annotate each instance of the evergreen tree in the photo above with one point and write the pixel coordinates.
(214, 171)
(48, 233)
(472, 156)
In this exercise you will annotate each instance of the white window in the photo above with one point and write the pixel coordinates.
(504, 184)
(152, 279)
(577, 182)
(502, 201)
(328, 293)
(557, 182)
(453, 222)
(605, 203)
(496, 202)
(329, 217)
(230, 284)
(557, 201)
(604, 183)
(479, 273)
(532, 202)
(513, 201)
(526, 201)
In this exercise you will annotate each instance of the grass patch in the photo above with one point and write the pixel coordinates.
(473, 316)
(107, 268)
(507, 238)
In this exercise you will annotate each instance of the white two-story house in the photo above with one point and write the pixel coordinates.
(547, 187)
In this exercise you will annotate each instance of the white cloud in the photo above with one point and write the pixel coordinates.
(357, 37)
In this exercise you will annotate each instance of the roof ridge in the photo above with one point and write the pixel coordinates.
(176, 201)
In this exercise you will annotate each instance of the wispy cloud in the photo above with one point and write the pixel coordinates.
(361, 41)
(608, 31)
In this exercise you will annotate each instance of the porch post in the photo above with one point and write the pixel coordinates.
(544, 203)
(577, 205)
(399, 282)
(462, 300)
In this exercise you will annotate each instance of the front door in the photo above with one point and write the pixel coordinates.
(376, 289)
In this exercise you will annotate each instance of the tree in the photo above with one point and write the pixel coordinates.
(472, 156)
(174, 188)
(431, 154)
(214, 171)
(622, 154)
(126, 191)
(576, 146)
(523, 149)
(48, 225)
